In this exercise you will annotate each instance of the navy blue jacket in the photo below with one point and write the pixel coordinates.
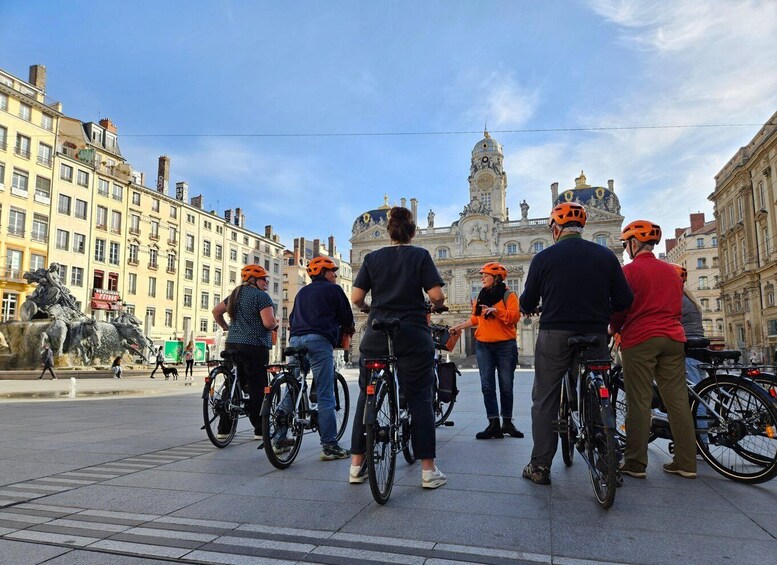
(320, 308)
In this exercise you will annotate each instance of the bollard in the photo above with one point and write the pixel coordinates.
(72, 392)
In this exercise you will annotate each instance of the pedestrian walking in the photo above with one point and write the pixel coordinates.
(116, 367)
(160, 362)
(188, 355)
(47, 358)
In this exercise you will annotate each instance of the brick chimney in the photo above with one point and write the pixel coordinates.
(296, 251)
(316, 247)
(670, 244)
(678, 232)
(302, 253)
(239, 217)
(111, 127)
(163, 172)
(332, 249)
(228, 215)
(182, 191)
(268, 232)
(554, 192)
(697, 221)
(197, 201)
(38, 77)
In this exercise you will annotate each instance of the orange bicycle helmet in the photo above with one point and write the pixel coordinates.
(252, 271)
(494, 269)
(567, 212)
(642, 230)
(682, 271)
(318, 264)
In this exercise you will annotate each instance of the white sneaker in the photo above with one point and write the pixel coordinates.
(433, 479)
(357, 474)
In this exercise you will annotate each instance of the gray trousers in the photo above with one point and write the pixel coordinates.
(552, 359)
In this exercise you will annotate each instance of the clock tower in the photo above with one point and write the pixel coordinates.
(487, 179)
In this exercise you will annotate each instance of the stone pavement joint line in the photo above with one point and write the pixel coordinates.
(40, 487)
(149, 535)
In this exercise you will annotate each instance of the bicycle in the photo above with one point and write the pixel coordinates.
(735, 418)
(223, 397)
(386, 417)
(586, 421)
(290, 407)
(444, 391)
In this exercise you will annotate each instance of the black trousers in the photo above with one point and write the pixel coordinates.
(158, 364)
(189, 368)
(50, 369)
(252, 372)
(415, 369)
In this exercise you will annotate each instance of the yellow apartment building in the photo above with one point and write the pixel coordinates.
(28, 125)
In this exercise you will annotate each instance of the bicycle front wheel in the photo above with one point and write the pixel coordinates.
(567, 428)
(219, 423)
(281, 430)
(381, 451)
(600, 446)
(742, 445)
(342, 404)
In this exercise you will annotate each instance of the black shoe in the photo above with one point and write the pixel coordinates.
(493, 431)
(508, 428)
(537, 474)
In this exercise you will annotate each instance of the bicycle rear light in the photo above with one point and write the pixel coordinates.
(274, 369)
(753, 372)
(370, 390)
(376, 365)
(207, 380)
(267, 389)
(599, 367)
(773, 392)
(604, 392)
(770, 432)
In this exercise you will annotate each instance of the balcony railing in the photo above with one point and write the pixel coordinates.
(133, 262)
(45, 161)
(134, 231)
(13, 230)
(153, 237)
(171, 270)
(103, 227)
(21, 152)
(172, 242)
(11, 274)
(153, 266)
(3, 145)
(39, 236)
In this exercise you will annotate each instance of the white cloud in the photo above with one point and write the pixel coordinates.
(492, 96)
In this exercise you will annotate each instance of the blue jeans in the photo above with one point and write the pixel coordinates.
(321, 361)
(692, 371)
(498, 358)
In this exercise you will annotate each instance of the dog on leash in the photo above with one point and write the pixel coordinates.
(170, 371)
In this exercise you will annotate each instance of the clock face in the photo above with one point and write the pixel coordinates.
(485, 181)
(484, 160)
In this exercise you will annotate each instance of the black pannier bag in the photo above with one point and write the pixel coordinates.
(446, 381)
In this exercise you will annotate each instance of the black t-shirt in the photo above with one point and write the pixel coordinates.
(397, 276)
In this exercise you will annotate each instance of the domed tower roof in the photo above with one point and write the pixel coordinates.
(600, 197)
(487, 145)
(372, 218)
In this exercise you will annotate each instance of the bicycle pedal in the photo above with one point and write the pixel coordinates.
(448, 423)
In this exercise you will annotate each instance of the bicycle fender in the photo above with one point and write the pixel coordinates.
(607, 414)
(369, 406)
(265, 409)
(205, 391)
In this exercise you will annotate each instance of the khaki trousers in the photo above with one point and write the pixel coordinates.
(663, 360)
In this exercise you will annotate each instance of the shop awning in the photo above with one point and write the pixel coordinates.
(103, 305)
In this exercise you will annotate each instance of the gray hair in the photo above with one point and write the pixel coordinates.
(575, 229)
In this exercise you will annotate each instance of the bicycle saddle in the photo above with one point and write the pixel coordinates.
(584, 340)
(696, 343)
(718, 356)
(294, 351)
(386, 324)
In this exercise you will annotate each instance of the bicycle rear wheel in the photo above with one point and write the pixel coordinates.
(215, 403)
(600, 445)
(342, 404)
(381, 452)
(743, 447)
(567, 428)
(281, 431)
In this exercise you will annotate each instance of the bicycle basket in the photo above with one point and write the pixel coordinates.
(446, 381)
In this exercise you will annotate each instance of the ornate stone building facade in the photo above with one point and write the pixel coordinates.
(745, 199)
(484, 232)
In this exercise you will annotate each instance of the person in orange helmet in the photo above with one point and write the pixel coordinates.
(251, 323)
(495, 315)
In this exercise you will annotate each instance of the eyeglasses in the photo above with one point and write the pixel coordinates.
(625, 244)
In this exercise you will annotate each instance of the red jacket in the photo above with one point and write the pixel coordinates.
(657, 307)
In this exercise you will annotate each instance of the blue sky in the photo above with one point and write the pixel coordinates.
(212, 84)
